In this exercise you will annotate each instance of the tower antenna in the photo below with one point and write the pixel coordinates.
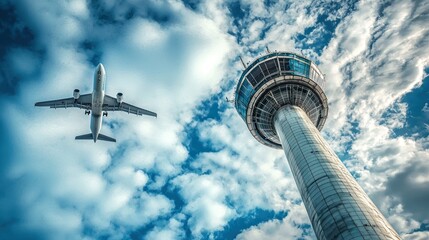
(242, 62)
(230, 100)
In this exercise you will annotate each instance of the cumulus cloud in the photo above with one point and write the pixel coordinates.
(171, 229)
(425, 108)
(205, 202)
(146, 34)
(290, 227)
(409, 185)
(416, 236)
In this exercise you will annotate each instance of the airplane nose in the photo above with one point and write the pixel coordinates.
(100, 68)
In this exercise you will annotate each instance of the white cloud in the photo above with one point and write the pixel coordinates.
(400, 219)
(173, 229)
(56, 220)
(205, 202)
(78, 8)
(286, 228)
(425, 108)
(282, 22)
(256, 8)
(146, 34)
(56, 23)
(255, 30)
(416, 236)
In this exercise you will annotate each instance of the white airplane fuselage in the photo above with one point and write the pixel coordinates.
(98, 100)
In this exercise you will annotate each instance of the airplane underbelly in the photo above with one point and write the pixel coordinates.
(95, 124)
(97, 104)
(97, 108)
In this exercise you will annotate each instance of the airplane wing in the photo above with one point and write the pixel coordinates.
(111, 104)
(84, 101)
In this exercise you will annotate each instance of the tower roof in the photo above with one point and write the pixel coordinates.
(274, 80)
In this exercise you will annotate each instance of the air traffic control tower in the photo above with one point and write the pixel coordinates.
(281, 99)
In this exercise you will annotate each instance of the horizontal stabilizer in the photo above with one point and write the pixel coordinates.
(100, 137)
(84, 137)
(105, 138)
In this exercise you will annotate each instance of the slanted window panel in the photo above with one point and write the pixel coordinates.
(281, 62)
(299, 68)
(264, 69)
(284, 64)
(257, 74)
(245, 93)
(272, 66)
(251, 79)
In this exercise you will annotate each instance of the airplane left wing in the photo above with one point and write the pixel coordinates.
(111, 104)
(84, 101)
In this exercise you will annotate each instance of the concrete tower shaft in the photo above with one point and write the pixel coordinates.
(337, 206)
(280, 97)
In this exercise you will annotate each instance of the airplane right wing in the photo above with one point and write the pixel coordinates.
(84, 101)
(110, 104)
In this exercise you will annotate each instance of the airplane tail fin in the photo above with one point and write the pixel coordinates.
(100, 137)
(105, 138)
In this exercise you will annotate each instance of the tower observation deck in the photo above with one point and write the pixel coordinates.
(281, 99)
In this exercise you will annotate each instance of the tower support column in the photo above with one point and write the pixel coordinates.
(337, 206)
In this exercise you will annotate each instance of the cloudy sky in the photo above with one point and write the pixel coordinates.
(195, 172)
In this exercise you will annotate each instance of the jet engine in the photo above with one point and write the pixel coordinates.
(76, 94)
(119, 97)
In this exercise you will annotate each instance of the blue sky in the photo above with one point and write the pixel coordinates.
(195, 172)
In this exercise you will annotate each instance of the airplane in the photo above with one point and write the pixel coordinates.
(98, 103)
